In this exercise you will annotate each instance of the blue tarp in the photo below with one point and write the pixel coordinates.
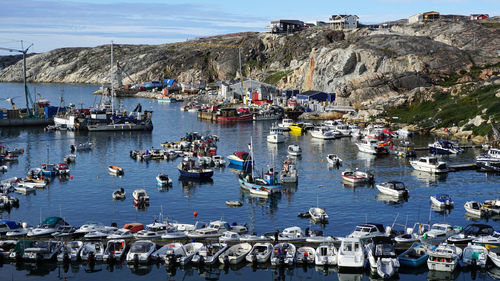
(169, 82)
(10, 224)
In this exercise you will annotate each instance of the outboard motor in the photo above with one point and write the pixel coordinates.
(202, 260)
(226, 260)
(91, 259)
(66, 257)
(72, 148)
(136, 259)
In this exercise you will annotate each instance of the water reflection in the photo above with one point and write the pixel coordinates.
(391, 200)
(345, 276)
(442, 275)
(429, 178)
(140, 269)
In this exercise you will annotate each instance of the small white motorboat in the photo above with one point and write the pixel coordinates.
(140, 251)
(115, 250)
(442, 200)
(235, 254)
(318, 214)
(351, 254)
(393, 188)
(234, 203)
(275, 135)
(326, 254)
(254, 238)
(260, 253)
(140, 197)
(438, 233)
(494, 255)
(121, 233)
(171, 253)
(42, 250)
(444, 258)
(209, 254)
(115, 170)
(305, 255)
(334, 159)
(92, 251)
(285, 124)
(382, 257)
(70, 251)
(190, 250)
(163, 180)
(294, 150)
(283, 254)
(81, 146)
(292, 234)
(475, 255)
(357, 176)
(70, 158)
(475, 208)
(429, 164)
(119, 194)
(218, 160)
(229, 236)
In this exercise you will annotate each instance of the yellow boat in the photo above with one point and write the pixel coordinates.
(296, 128)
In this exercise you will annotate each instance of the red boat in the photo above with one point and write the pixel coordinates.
(233, 115)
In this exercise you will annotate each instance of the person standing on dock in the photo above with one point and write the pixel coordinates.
(276, 234)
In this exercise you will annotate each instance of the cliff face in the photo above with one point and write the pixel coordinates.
(362, 66)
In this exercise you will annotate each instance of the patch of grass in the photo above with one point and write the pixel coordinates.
(274, 78)
(482, 130)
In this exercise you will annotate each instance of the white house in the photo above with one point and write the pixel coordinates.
(344, 21)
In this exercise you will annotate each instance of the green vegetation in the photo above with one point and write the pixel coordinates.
(274, 78)
(453, 110)
(452, 78)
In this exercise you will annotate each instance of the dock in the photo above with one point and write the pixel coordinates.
(462, 146)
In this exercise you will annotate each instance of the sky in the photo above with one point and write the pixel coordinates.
(51, 24)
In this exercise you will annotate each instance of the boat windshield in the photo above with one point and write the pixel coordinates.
(439, 227)
(140, 247)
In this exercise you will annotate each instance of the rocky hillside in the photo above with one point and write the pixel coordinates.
(367, 68)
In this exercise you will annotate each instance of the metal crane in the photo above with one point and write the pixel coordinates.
(22, 51)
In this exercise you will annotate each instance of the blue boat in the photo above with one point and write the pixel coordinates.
(265, 186)
(49, 170)
(6, 226)
(240, 159)
(416, 255)
(188, 169)
(444, 147)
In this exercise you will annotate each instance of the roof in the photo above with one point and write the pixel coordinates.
(169, 82)
(310, 93)
(10, 224)
(297, 22)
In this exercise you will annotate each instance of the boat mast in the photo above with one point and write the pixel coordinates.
(112, 81)
(252, 162)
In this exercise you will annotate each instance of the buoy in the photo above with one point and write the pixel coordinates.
(71, 177)
(195, 214)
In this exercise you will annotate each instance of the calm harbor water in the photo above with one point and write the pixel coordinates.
(87, 197)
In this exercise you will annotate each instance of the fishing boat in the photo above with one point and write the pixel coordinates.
(240, 159)
(115, 250)
(49, 170)
(444, 258)
(326, 254)
(382, 257)
(393, 188)
(429, 164)
(140, 197)
(416, 255)
(188, 168)
(275, 135)
(166, 98)
(318, 214)
(357, 176)
(404, 149)
(288, 172)
(305, 255)
(163, 180)
(209, 253)
(115, 170)
(444, 147)
(260, 253)
(119, 194)
(70, 251)
(442, 200)
(471, 232)
(266, 185)
(294, 150)
(351, 254)
(235, 254)
(92, 251)
(234, 115)
(140, 251)
(283, 254)
(333, 159)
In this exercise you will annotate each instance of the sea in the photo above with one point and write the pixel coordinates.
(86, 195)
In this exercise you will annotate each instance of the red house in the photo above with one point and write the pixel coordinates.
(478, 16)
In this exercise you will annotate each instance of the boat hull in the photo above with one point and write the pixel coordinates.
(196, 175)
